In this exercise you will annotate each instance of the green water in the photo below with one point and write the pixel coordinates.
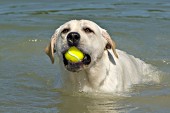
(29, 83)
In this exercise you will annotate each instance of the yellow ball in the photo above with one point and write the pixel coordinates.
(74, 55)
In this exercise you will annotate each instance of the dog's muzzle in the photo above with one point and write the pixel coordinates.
(73, 39)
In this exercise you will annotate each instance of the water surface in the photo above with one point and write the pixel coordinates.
(30, 83)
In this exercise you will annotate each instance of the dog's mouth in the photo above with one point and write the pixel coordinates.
(77, 66)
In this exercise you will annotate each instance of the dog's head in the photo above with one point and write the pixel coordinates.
(87, 36)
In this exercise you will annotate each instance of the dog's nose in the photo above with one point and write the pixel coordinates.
(73, 38)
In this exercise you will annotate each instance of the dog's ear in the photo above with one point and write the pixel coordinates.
(50, 49)
(110, 43)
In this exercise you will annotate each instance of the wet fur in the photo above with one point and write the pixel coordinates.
(111, 70)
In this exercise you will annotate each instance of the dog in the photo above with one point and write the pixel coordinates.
(104, 68)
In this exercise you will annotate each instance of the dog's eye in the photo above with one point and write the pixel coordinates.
(66, 30)
(88, 30)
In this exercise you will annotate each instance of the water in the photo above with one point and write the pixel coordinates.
(29, 83)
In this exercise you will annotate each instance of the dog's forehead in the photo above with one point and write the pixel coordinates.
(81, 23)
(88, 22)
(70, 23)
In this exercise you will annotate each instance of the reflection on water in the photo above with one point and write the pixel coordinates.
(142, 99)
(77, 104)
(92, 104)
(29, 83)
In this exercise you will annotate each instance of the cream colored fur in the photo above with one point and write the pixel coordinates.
(111, 70)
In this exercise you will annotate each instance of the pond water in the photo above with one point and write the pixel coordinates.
(30, 83)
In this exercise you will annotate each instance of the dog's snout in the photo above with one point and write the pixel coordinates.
(73, 38)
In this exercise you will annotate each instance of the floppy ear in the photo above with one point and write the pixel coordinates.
(50, 49)
(110, 43)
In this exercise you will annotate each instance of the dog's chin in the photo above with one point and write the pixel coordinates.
(78, 66)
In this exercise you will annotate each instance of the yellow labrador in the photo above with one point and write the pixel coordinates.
(104, 68)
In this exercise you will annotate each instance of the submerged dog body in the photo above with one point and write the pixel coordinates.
(104, 68)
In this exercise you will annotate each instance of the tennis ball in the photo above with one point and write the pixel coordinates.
(74, 55)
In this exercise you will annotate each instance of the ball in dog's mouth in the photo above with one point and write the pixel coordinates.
(76, 66)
